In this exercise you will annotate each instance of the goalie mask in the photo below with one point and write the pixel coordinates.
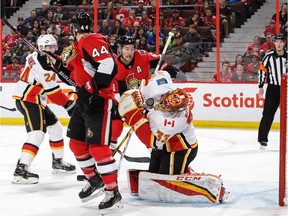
(173, 101)
(45, 40)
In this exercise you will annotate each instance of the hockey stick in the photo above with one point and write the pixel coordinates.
(60, 73)
(125, 148)
(170, 35)
(10, 109)
(134, 159)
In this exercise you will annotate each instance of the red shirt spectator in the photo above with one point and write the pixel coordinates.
(210, 19)
(14, 69)
(11, 38)
(253, 67)
(145, 22)
(268, 45)
(199, 6)
(225, 74)
(239, 60)
(270, 29)
(120, 13)
(128, 22)
(176, 20)
(255, 47)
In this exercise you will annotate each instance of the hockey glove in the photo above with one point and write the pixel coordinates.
(88, 91)
(49, 61)
(173, 71)
(70, 106)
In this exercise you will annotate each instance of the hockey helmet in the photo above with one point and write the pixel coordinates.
(126, 40)
(173, 101)
(46, 39)
(81, 22)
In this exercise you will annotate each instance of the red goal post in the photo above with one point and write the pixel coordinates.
(283, 167)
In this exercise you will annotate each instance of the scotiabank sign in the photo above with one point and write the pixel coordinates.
(208, 101)
(226, 102)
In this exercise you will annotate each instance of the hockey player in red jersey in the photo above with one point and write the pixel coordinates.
(133, 66)
(34, 86)
(92, 66)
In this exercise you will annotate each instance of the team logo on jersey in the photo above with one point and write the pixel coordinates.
(139, 70)
(169, 123)
(161, 81)
(132, 82)
(89, 133)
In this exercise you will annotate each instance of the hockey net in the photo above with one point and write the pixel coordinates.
(283, 167)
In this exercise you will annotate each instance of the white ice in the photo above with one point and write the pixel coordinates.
(250, 173)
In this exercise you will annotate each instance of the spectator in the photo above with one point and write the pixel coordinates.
(23, 58)
(133, 31)
(225, 73)
(36, 28)
(176, 20)
(118, 30)
(151, 40)
(113, 43)
(199, 6)
(225, 15)
(128, 22)
(240, 75)
(282, 15)
(270, 28)
(29, 21)
(151, 12)
(30, 37)
(85, 6)
(59, 2)
(175, 31)
(205, 8)
(105, 29)
(140, 33)
(59, 15)
(179, 50)
(43, 11)
(239, 60)
(20, 48)
(255, 47)
(10, 39)
(20, 27)
(210, 20)
(53, 28)
(196, 19)
(268, 45)
(162, 21)
(192, 36)
(253, 67)
(14, 69)
(108, 12)
(145, 22)
(7, 57)
(45, 21)
(140, 8)
(143, 44)
(120, 13)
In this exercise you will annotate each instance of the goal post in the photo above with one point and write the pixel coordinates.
(283, 167)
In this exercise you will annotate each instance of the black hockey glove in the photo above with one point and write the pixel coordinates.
(172, 71)
(70, 106)
(48, 61)
(88, 91)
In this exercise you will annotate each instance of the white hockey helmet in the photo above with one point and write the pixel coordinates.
(46, 39)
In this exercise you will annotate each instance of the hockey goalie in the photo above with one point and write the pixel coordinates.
(160, 117)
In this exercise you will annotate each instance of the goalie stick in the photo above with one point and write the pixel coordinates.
(60, 73)
(10, 109)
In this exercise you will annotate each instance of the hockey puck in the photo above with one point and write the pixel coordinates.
(150, 102)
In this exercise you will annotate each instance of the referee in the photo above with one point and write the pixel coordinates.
(271, 69)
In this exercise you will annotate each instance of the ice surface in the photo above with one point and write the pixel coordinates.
(250, 173)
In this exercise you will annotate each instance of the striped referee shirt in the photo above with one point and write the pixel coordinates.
(272, 68)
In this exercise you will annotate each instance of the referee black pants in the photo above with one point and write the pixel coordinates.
(271, 104)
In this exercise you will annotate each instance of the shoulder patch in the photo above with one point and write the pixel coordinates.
(142, 52)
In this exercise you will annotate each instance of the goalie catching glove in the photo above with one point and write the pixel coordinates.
(131, 108)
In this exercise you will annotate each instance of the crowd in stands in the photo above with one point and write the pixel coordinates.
(246, 65)
(192, 21)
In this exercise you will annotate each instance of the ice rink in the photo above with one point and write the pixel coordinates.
(248, 172)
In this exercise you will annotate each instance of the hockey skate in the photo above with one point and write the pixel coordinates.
(93, 189)
(111, 201)
(60, 166)
(263, 145)
(23, 176)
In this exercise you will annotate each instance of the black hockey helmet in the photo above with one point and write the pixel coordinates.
(279, 37)
(126, 40)
(81, 22)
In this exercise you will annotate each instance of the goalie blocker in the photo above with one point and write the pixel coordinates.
(190, 187)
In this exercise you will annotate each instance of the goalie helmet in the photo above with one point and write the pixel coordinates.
(173, 101)
(81, 22)
(46, 39)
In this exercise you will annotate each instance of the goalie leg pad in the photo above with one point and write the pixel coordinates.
(179, 188)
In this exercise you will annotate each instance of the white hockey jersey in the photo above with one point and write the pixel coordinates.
(36, 83)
